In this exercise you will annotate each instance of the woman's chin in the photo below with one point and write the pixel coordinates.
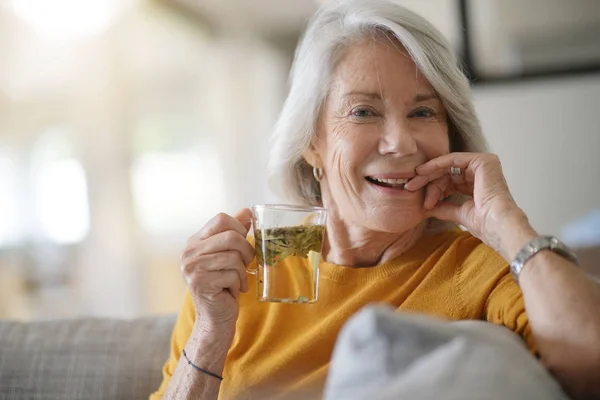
(395, 221)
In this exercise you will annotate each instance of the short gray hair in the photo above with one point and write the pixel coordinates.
(336, 26)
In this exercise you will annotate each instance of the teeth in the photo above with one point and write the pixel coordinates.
(391, 181)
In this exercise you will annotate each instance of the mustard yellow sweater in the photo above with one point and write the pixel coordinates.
(283, 350)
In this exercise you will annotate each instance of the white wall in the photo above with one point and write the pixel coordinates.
(547, 134)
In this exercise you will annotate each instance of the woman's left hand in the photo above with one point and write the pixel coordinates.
(490, 206)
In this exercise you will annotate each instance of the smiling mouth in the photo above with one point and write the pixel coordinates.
(391, 183)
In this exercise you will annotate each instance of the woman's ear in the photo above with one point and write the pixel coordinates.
(310, 155)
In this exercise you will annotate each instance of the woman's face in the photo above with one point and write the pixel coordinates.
(381, 119)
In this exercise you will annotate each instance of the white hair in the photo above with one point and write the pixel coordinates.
(333, 29)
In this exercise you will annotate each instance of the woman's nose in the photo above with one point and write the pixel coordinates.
(397, 138)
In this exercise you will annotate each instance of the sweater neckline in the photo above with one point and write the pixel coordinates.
(417, 254)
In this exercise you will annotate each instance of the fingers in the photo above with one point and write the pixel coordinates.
(447, 211)
(467, 162)
(460, 160)
(440, 166)
(226, 280)
(420, 181)
(224, 241)
(219, 247)
(218, 261)
(224, 261)
(213, 265)
(213, 283)
(436, 191)
(221, 223)
(244, 216)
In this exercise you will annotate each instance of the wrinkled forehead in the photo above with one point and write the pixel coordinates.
(378, 63)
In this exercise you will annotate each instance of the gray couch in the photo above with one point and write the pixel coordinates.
(84, 358)
(380, 355)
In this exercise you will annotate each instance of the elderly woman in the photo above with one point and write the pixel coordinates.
(379, 128)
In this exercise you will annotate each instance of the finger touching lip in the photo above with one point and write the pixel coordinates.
(416, 183)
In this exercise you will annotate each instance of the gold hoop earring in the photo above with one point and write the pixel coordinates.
(318, 173)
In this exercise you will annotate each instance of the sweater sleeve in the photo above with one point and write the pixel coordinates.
(487, 290)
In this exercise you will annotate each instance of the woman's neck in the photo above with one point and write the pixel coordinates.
(361, 247)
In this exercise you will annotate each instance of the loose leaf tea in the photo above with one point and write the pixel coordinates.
(275, 244)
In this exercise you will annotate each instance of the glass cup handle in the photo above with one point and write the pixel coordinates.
(253, 266)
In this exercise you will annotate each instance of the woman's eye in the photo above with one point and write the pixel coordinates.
(423, 113)
(362, 112)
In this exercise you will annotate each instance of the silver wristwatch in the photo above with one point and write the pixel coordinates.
(535, 246)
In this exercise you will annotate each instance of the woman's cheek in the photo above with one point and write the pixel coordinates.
(435, 145)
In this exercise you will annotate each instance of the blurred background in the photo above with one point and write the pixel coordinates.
(126, 124)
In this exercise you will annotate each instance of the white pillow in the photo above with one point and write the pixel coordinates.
(382, 354)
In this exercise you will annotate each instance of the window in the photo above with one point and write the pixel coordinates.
(61, 201)
(174, 193)
(177, 178)
(11, 230)
(59, 190)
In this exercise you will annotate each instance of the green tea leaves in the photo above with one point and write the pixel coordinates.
(275, 244)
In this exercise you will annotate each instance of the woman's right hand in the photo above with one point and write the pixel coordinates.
(213, 265)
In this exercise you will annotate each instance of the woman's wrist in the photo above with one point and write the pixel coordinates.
(218, 330)
(209, 349)
(514, 233)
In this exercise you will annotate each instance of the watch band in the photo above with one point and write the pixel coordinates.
(535, 246)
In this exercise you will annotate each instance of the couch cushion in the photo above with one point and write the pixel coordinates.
(382, 354)
(83, 358)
